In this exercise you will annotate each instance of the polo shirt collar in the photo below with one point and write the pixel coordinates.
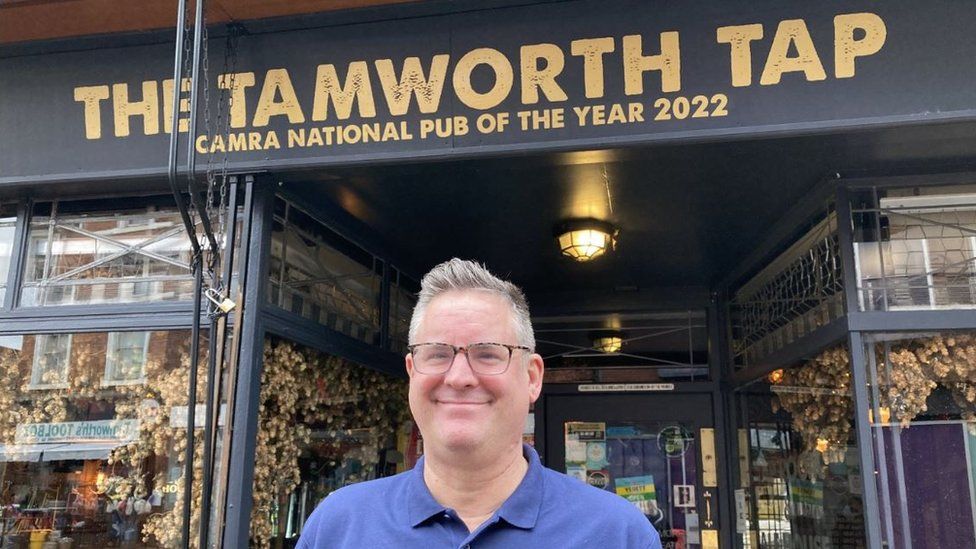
(421, 505)
(521, 509)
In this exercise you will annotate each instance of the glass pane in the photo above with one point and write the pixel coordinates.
(8, 221)
(923, 417)
(89, 461)
(648, 463)
(82, 254)
(403, 297)
(125, 358)
(800, 483)
(322, 276)
(916, 248)
(324, 423)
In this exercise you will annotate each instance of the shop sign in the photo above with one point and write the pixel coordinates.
(623, 387)
(122, 430)
(536, 77)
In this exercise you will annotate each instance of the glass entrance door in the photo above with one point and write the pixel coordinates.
(656, 451)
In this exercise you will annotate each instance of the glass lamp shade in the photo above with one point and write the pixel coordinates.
(608, 344)
(585, 240)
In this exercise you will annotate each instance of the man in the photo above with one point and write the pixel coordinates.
(477, 485)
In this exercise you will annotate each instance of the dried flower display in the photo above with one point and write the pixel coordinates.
(301, 387)
(152, 403)
(915, 367)
(817, 394)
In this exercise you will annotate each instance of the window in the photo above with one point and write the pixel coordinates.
(8, 220)
(322, 276)
(105, 462)
(125, 358)
(134, 250)
(51, 357)
(915, 249)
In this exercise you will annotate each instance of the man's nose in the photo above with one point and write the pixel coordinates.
(460, 373)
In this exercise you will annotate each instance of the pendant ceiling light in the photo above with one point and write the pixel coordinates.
(585, 239)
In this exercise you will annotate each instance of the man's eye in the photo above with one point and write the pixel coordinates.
(487, 355)
(436, 354)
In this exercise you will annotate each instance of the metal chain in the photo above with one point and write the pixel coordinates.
(219, 126)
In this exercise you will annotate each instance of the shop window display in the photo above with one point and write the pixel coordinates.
(96, 459)
(324, 423)
(922, 393)
(800, 484)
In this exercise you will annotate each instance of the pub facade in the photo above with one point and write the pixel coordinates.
(747, 232)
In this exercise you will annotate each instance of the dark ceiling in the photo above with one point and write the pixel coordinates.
(688, 213)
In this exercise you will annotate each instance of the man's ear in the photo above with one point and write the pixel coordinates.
(536, 370)
(408, 361)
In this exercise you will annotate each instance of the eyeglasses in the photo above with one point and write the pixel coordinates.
(489, 359)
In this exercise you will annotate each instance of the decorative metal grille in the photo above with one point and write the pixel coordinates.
(917, 252)
(798, 292)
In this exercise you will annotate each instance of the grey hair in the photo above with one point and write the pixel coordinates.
(461, 274)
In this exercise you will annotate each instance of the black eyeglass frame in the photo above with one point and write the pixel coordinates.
(464, 348)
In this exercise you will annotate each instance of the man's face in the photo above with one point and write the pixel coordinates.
(462, 410)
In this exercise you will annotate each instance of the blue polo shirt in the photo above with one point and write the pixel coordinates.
(548, 509)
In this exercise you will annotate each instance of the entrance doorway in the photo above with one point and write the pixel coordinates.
(656, 450)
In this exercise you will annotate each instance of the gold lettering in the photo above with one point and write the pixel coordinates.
(739, 39)
(168, 105)
(148, 108)
(217, 145)
(277, 82)
(413, 82)
(201, 144)
(237, 83)
(314, 138)
(237, 142)
(296, 138)
(253, 141)
(636, 63)
(92, 96)
(534, 78)
(592, 50)
(846, 48)
(792, 31)
(356, 87)
(504, 77)
(271, 140)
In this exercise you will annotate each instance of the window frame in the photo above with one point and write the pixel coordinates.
(110, 366)
(34, 384)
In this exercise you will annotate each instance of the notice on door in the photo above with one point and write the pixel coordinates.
(586, 452)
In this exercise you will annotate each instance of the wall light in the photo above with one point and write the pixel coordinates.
(585, 239)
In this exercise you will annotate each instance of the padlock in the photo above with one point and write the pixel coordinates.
(223, 304)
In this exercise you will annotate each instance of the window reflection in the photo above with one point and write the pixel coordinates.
(801, 483)
(922, 395)
(92, 437)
